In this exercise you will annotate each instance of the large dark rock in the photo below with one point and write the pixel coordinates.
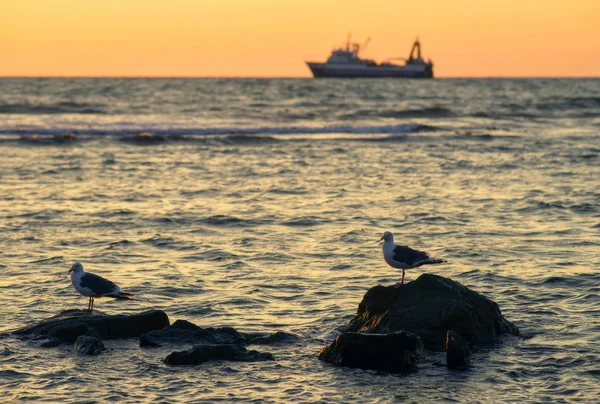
(204, 353)
(457, 351)
(183, 332)
(429, 307)
(70, 324)
(86, 345)
(394, 352)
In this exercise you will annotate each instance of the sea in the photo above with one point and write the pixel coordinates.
(259, 204)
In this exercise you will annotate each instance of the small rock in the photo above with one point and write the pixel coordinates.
(457, 351)
(394, 352)
(86, 345)
(51, 343)
(204, 353)
(183, 332)
(278, 337)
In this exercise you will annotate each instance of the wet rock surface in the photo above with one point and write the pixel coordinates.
(393, 352)
(67, 326)
(86, 345)
(278, 337)
(51, 343)
(183, 332)
(429, 307)
(205, 353)
(457, 351)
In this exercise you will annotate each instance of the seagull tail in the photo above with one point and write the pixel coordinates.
(437, 261)
(125, 296)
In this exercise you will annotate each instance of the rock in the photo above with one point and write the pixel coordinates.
(86, 345)
(70, 324)
(394, 352)
(183, 332)
(457, 351)
(429, 307)
(51, 343)
(204, 353)
(278, 337)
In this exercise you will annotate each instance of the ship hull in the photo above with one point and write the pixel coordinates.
(361, 71)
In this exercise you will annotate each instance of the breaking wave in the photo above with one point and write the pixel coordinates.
(225, 131)
(65, 107)
(429, 112)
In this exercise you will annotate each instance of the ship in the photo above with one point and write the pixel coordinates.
(346, 62)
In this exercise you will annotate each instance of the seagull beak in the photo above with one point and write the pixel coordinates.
(381, 238)
(70, 270)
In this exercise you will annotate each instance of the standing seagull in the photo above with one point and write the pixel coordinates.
(92, 286)
(399, 256)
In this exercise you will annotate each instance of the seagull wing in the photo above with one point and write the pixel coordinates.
(409, 256)
(99, 285)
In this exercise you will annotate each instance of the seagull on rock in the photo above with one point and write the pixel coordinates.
(399, 256)
(92, 286)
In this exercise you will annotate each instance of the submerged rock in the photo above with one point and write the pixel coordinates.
(394, 352)
(457, 351)
(51, 343)
(70, 324)
(86, 345)
(278, 337)
(184, 332)
(204, 353)
(429, 307)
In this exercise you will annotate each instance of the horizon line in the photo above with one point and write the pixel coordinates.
(288, 77)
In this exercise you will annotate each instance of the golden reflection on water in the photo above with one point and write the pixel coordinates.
(283, 236)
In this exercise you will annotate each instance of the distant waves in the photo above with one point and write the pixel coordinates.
(219, 131)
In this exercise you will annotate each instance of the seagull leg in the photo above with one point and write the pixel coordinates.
(399, 284)
(89, 303)
(92, 308)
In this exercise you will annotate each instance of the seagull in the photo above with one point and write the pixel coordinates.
(92, 286)
(399, 256)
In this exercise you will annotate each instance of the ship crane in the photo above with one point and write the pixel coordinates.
(416, 46)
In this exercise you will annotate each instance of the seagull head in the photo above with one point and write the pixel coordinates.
(76, 267)
(387, 236)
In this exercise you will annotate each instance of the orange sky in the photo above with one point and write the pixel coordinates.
(272, 38)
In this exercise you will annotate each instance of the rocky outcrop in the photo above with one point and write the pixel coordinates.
(204, 353)
(457, 351)
(182, 332)
(70, 324)
(430, 307)
(393, 352)
(86, 345)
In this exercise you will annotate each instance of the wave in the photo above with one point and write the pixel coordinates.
(429, 112)
(222, 131)
(66, 107)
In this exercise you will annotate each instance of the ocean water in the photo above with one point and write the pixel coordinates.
(258, 204)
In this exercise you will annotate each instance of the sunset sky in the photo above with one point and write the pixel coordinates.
(273, 38)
